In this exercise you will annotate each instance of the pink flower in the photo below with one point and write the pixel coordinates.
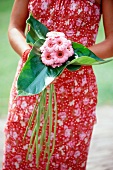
(70, 50)
(56, 49)
(60, 43)
(60, 56)
(42, 48)
(56, 65)
(55, 34)
(46, 58)
(48, 45)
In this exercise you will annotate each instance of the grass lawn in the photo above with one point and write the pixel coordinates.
(104, 77)
(9, 60)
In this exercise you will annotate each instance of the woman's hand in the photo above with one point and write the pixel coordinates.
(105, 48)
(16, 30)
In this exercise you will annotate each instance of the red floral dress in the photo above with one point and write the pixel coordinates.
(76, 93)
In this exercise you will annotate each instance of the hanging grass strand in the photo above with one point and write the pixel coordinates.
(55, 125)
(37, 112)
(33, 147)
(43, 130)
(40, 109)
(46, 119)
(50, 123)
(49, 110)
(56, 116)
(32, 117)
(30, 144)
(39, 131)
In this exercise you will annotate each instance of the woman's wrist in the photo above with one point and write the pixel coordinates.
(103, 49)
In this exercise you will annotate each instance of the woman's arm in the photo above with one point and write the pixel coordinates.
(16, 30)
(105, 48)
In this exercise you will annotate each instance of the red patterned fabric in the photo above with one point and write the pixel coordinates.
(25, 55)
(76, 93)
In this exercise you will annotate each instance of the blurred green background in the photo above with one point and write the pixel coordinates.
(9, 60)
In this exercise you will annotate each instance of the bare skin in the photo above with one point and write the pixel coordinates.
(17, 26)
(20, 14)
(98, 1)
(105, 48)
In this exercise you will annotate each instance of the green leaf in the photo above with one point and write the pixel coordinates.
(73, 67)
(104, 61)
(37, 46)
(31, 37)
(37, 30)
(35, 76)
(86, 60)
(83, 60)
(81, 51)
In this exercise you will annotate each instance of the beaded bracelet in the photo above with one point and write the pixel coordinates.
(25, 55)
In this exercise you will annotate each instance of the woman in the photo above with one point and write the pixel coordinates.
(76, 91)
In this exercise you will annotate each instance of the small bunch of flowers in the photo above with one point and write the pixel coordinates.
(56, 49)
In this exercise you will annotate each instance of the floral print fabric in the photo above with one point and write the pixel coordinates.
(76, 93)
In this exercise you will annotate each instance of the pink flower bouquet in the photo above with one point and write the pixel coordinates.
(56, 49)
